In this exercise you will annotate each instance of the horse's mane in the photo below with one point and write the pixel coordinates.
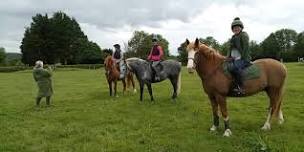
(108, 59)
(135, 59)
(211, 54)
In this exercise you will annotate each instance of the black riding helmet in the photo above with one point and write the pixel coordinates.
(117, 46)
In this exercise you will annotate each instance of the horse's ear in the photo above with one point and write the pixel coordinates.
(196, 43)
(187, 42)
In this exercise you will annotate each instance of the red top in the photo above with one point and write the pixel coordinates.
(156, 53)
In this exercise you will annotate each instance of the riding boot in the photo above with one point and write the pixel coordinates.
(156, 74)
(239, 84)
(38, 99)
(122, 70)
(157, 78)
(121, 75)
(48, 100)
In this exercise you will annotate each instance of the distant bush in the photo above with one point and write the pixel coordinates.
(13, 68)
(81, 66)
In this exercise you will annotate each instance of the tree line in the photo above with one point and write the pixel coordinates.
(59, 39)
(284, 44)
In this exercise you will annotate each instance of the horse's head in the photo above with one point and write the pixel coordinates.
(108, 64)
(192, 48)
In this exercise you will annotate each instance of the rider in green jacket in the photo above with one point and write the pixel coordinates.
(239, 52)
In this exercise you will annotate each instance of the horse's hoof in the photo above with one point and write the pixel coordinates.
(213, 128)
(227, 133)
(266, 127)
(281, 121)
(134, 91)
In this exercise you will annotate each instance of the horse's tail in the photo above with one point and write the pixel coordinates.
(130, 79)
(281, 92)
(179, 82)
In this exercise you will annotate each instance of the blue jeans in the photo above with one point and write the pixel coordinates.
(238, 67)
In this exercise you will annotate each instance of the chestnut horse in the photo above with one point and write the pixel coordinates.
(208, 64)
(112, 75)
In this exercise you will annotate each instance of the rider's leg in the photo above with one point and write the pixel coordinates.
(237, 74)
(156, 72)
(122, 69)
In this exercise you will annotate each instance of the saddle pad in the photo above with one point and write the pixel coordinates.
(251, 72)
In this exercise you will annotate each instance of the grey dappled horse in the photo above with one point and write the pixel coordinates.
(170, 69)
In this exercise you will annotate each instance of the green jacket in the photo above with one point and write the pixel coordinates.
(44, 82)
(241, 43)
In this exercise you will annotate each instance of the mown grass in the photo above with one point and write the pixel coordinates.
(85, 118)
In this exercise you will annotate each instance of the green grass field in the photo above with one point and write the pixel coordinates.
(85, 118)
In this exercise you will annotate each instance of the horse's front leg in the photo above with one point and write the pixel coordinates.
(174, 84)
(141, 85)
(221, 100)
(110, 87)
(150, 91)
(214, 106)
(124, 86)
(115, 88)
(133, 85)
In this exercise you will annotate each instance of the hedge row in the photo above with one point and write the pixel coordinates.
(14, 68)
(78, 66)
(81, 66)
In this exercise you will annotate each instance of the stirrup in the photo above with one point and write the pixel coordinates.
(157, 78)
(238, 90)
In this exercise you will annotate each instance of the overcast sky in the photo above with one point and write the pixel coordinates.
(113, 21)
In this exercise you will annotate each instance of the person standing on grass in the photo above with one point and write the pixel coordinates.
(44, 82)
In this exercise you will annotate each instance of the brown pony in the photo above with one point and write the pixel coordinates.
(112, 75)
(208, 64)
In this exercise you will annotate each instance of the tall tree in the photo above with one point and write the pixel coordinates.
(286, 39)
(141, 42)
(270, 47)
(55, 39)
(299, 45)
(225, 47)
(255, 50)
(68, 36)
(182, 53)
(211, 42)
(34, 44)
(91, 54)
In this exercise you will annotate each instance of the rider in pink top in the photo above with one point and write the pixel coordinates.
(156, 52)
(155, 56)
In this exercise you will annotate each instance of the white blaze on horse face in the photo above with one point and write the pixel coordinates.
(190, 64)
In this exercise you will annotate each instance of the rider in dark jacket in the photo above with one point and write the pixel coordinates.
(117, 56)
(239, 52)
